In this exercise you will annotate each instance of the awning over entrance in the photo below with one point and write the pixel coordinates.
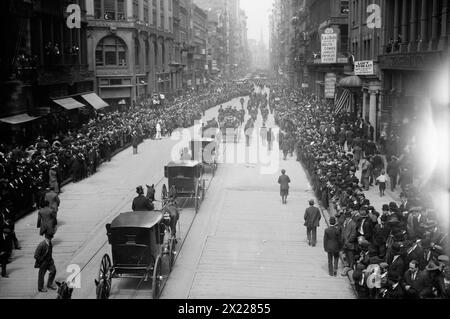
(352, 81)
(18, 119)
(95, 101)
(69, 103)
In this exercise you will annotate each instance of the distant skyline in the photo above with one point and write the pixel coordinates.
(257, 12)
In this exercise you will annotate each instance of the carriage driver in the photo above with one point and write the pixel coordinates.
(141, 203)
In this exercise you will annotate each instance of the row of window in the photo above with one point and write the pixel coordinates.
(116, 10)
(112, 51)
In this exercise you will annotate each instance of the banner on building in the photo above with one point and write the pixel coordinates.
(364, 68)
(330, 85)
(329, 46)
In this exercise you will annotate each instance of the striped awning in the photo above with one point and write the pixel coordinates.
(69, 103)
(343, 103)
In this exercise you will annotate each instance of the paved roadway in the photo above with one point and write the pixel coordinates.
(246, 244)
(243, 243)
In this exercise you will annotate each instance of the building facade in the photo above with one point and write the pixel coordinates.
(365, 47)
(41, 60)
(415, 50)
(131, 45)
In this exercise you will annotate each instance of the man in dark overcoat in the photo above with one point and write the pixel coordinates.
(331, 245)
(312, 218)
(140, 202)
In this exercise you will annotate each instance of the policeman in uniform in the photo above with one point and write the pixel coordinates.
(141, 203)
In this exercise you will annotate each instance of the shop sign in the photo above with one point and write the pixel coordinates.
(364, 68)
(330, 85)
(305, 85)
(329, 47)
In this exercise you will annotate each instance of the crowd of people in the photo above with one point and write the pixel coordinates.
(27, 172)
(395, 251)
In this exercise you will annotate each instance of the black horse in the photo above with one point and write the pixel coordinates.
(102, 288)
(64, 290)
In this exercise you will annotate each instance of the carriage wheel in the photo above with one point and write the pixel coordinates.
(104, 277)
(157, 279)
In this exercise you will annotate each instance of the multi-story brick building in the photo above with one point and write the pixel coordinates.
(43, 69)
(131, 46)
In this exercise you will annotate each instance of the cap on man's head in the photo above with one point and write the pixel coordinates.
(139, 190)
(332, 220)
(311, 202)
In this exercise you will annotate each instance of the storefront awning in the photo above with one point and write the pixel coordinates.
(69, 103)
(352, 81)
(95, 101)
(18, 119)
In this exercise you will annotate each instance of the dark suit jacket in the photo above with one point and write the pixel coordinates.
(415, 284)
(397, 266)
(332, 239)
(141, 203)
(395, 293)
(312, 217)
(284, 181)
(42, 254)
(46, 221)
(367, 228)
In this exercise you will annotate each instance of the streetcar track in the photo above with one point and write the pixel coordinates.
(118, 209)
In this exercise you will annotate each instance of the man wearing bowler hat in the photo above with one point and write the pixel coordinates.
(312, 218)
(140, 202)
(331, 245)
(45, 262)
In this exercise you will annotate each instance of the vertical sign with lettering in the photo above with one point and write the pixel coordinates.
(329, 46)
(330, 85)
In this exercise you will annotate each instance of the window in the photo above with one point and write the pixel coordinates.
(344, 7)
(147, 54)
(154, 10)
(136, 9)
(111, 51)
(146, 19)
(136, 52)
(109, 9)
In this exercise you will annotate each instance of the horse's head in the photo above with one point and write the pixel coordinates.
(64, 291)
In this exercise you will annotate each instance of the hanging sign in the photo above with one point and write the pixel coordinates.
(329, 46)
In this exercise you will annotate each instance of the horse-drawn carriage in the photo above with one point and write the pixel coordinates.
(186, 180)
(205, 150)
(142, 247)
